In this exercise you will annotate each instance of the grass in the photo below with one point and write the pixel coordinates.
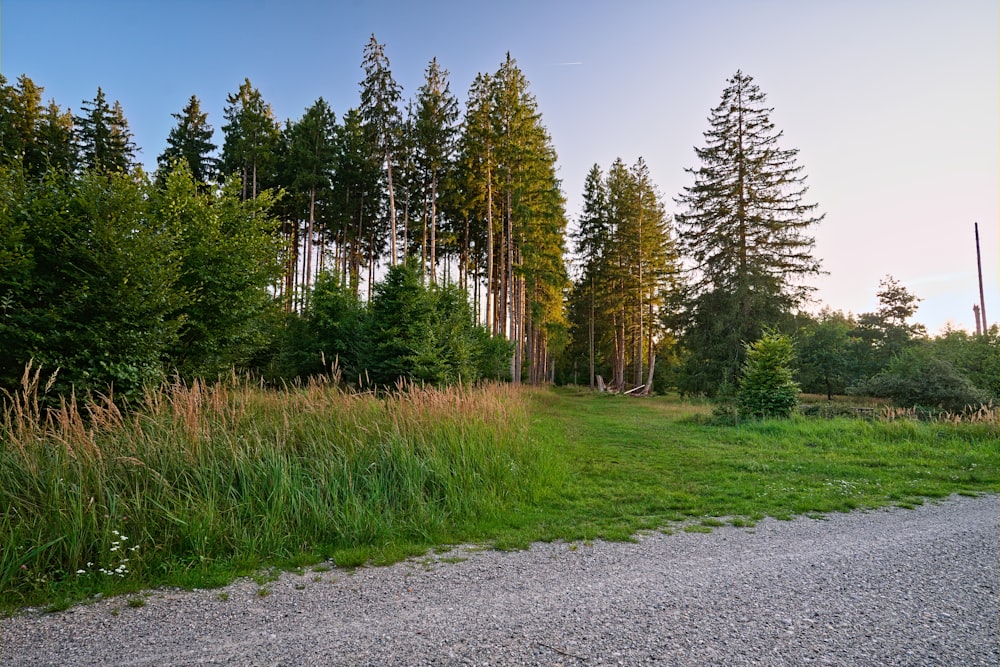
(206, 483)
(638, 464)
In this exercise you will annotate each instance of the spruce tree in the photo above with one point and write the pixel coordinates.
(103, 136)
(309, 168)
(191, 140)
(743, 227)
(252, 138)
(434, 133)
(380, 98)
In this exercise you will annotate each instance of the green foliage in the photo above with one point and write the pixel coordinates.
(94, 295)
(919, 377)
(824, 355)
(228, 257)
(767, 386)
(884, 334)
(332, 331)
(427, 334)
(118, 283)
(191, 140)
(976, 357)
(743, 225)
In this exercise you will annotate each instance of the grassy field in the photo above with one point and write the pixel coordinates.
(203, 484)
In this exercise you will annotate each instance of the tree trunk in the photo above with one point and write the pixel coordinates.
(392, 206)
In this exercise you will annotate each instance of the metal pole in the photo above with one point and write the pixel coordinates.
(982, 300)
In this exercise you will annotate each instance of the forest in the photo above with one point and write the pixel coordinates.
(426, 240)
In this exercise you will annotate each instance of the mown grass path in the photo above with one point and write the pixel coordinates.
(631, 464)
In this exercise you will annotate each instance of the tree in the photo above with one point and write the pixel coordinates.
(356, 184)
(743, 229)
(252, 137)
(227, 256)
(627, 266)
(917, 377)
(434, 144)
(767, 388)
(191, 140)
(90, 282)
(477, 173)
(309, 166)
(380, 97)
(103, 136)
(825, 354)
(593, 238)
(886, 332)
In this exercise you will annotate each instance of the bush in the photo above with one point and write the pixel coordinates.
(767, 387)
(918, 377)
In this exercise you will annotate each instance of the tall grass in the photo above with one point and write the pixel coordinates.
(224, 477)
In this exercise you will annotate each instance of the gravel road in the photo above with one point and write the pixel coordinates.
(886, 587)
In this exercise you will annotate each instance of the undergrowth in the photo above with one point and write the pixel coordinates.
(203, 482)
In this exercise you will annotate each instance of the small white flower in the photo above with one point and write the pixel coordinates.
(81, 572)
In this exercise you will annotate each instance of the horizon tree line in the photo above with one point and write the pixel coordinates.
(469, 194)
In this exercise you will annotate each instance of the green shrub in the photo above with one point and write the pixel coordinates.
(767, 387)
(918, 377)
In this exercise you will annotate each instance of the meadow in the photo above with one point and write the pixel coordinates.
(203, 483)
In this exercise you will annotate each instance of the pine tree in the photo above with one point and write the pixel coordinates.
(20, 121)
(592, 242)
(744, 230)
(477, 173)
(191, 140)
(56, 146)
(380, 98)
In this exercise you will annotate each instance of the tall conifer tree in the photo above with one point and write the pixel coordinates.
(744, 228)
(434, 133)
(252, 139)
(191, 140)
(380, 98)
(103, 136)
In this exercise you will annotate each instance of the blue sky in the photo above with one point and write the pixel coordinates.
(894, 106)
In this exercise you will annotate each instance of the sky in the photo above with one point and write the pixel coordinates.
(892, 105)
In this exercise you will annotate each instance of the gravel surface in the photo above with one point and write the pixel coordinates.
(886, 587)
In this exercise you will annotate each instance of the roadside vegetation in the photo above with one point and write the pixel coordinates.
(205, 483)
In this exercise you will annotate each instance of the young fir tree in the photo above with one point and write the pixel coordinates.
(191, 140)
(744, 229)
(380, 98)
